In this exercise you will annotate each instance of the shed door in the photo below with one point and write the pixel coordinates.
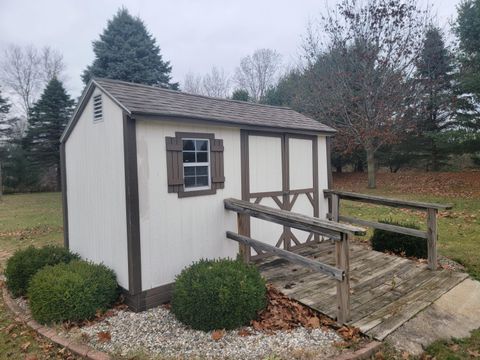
(281, 171)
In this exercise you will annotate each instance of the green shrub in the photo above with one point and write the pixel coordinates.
(73, 291)
(218, 294)
(25, 263)
(401, 244)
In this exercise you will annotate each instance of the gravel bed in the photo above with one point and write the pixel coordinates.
(157, 332)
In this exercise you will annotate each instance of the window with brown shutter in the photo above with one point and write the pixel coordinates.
(194, 164)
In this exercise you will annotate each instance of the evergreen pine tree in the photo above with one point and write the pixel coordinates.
(47, 120)
(435, 107)
(467, 29)
(241, 95)
(127, 51)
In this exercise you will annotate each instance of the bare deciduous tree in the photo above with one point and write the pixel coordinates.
(26, 70)
(214, 84)
(193, 84)
(258, 72)
(361, 76)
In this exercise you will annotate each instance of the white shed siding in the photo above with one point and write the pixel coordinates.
(300, 162)
(301, 177)
(96, 189)
(265, 161)
(322, 176)
(177, 231)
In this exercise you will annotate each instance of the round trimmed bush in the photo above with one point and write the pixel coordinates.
(25, 263)
(401, 244)
(73, 291)
(218, 294)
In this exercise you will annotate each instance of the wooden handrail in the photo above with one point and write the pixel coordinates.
(318, 266)
(431, 208)
(330, 229)
(380, 200)
(291, 219)
(382, 226)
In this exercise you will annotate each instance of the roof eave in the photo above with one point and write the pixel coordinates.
(329, 132)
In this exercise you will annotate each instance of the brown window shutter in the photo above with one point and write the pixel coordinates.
(174, 164)
(218, 177)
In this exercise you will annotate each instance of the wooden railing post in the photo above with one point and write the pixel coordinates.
(343, 287)
(243, 224)
(335, 204)
(432, 235)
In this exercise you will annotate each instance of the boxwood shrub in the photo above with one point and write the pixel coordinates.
(73, 291)
(218, 294)
(401, 244)
(25, 263)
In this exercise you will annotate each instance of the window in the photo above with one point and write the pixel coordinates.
(97, 108)
(196, 164)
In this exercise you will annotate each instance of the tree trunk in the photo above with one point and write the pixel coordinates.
(1, 182)
(435, 162)
(59, 178)
(359, 166)
(372, 184)
(338, 168)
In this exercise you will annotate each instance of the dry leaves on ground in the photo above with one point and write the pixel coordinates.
(104, 336)
(283, 313)
(464, 184)
(218, 334)
(99, 316)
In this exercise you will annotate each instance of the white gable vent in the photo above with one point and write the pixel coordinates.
(97, 108)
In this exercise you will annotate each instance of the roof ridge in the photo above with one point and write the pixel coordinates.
(190, 94)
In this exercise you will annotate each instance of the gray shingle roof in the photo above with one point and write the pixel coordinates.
(144, 99)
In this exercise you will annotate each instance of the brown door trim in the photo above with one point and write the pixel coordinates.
(286, 192)
(63, 173)
(132, 205)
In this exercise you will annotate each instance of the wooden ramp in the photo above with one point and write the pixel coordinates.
(386, 291)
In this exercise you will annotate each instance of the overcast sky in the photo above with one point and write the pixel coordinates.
(192, 35)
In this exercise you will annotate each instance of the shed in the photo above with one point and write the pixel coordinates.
(145, 171)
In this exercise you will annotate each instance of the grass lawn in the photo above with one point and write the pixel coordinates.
(27, 219)
(36, 219)
(458, 229)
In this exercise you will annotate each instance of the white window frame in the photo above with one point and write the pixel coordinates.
(196, 164)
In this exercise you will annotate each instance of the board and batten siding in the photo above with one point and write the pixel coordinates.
(322, 176)
(96, 188)
(177, 231)
(265, 161)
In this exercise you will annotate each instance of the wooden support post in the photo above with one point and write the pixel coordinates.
(432, 235)
(243, 223)
(343, 286)
(335, 204)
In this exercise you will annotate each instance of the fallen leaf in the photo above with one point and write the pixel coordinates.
(474, 353)
(313, 323)
(405, 355)
(104, 336)
(31, 357)
(25, 346)
(244, 332)
(9, 328)
(218, 334)
(454, 347)
(379, 356)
